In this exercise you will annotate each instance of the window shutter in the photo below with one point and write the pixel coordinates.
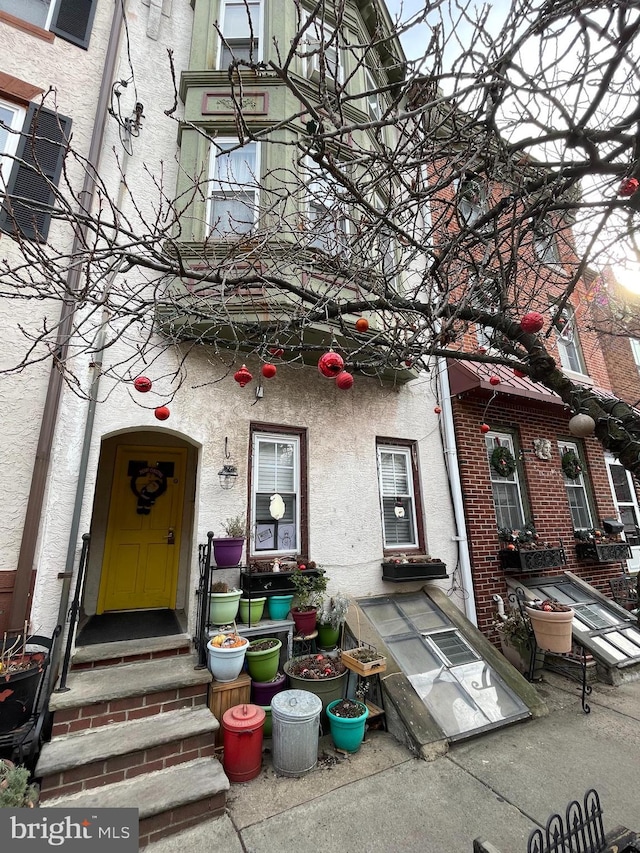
(41, 150)
(72, 21)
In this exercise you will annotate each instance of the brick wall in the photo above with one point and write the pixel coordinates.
(542, 483)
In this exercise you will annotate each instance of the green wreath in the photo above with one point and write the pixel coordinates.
(503, 461)
(571, 466)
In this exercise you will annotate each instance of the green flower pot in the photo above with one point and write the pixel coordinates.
(223, 607)
(263, 664)
(328, 637)
(251, 610)
(347, 733)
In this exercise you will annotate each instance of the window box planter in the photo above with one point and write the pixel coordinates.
(607, 552)
(400, 572)
(531, 560)
(364, 660)
(270, 583)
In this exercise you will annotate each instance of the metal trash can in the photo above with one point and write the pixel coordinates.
(295, 716)
(243, 730)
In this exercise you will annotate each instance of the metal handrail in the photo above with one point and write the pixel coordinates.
(73, 613)
(202, 593)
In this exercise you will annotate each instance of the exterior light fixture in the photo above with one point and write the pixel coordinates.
(228, 476)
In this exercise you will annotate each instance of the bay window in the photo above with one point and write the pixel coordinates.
(240, 26)
(234, 187)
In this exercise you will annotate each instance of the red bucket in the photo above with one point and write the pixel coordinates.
(242, 728)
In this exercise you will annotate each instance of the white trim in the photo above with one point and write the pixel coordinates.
(579, 482)
(635, 351)
(254, 187)
(504, 439)
(314, 33)
(11, 143)
(258, 33)
(633, 564)
(405, 451)
(259, 438)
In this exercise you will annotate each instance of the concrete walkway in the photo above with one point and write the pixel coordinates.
(498, 786)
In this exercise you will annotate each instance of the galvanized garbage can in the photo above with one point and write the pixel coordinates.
(295, 716)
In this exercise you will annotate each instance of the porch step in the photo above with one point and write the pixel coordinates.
(93, 758)
(98, 697)
(129, 651)
(168, 800)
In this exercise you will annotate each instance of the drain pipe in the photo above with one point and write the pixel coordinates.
(33, 515)
(451, 460)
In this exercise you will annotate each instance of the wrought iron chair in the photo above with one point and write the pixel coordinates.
(625, 592)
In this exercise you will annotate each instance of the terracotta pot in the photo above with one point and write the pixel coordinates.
(552, 629)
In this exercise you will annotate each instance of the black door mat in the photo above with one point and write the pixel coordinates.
(135, 625)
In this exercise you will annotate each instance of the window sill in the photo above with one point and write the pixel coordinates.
(584, 378)
(26, 27)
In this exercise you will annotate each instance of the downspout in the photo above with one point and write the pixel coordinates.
(33, 515)
(451, 461)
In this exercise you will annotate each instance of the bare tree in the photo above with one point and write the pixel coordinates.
(466, 187)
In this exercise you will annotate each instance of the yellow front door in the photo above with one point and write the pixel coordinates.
(142, 544)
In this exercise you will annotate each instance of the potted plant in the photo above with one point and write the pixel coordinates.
(15, 791)
(524, 550)
(401, 568)
(20, 674)
(223, 603)
(263, 659)
(332, 615)
(309, 590)
(320, 674)
(347, 719)
(226, 656)
(551, 622)
(516, 641)
(227, 549)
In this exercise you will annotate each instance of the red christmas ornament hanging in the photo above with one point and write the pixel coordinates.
(330, 364)
(494, 380)
(276, 352)
(484, 428)
(409, 362)
(628, 187)
(162, 413)
(142, 384)
(519, 373)
(532, 322)
(437, 410)
(344, 380)
(242, 376)
(362, 324)
(269, 370)
(482, 350)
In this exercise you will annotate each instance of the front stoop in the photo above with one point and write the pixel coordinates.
(135, 724)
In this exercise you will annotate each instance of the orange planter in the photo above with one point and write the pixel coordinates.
(552, 629)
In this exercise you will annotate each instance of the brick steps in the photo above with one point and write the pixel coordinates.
(168, 800)
(134, 725)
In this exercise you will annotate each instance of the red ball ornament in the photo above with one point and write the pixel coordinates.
(362, 324)
(142, 384)
(532, 322)
(482, 350)
(276, 352)
(484, 428)
(408, 363)
(242, 376)
(162, 413)
(269, 370)
(344, 380)
(494, 380)
(628, 187)
(437, 410)
(330, 364)
(519, 373)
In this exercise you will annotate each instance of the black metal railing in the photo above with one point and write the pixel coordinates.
(581, 830)
(74, 610)
(201, 637)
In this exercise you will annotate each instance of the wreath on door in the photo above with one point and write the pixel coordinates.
(503, 461)
(571, 466)
(147, 484)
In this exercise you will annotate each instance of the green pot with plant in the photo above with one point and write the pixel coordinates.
(332, 615)
(15, 790)
(223, 603)
(308, 592)
(227, 549)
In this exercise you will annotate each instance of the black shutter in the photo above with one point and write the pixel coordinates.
(40, 153)
(72, 20)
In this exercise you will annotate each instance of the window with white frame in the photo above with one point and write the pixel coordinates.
(69, 19)
(241, 24)
(472, 201)
(635, 351)
(11, 122)
(374, 105)
(545, 244)
(276, 461)
(386, 245)
(326, 212)
(322, 54)
(568, 343)
(507, 492)
(486, 297)
(397, 496)
(233, 187)
(626, 500)
(576, 491)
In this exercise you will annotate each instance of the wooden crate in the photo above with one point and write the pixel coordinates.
(375, 667)
(224, 695)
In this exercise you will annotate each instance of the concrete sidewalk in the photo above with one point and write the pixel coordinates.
(498, 786)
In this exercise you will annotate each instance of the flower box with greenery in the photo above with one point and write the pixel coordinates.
(596, 545)
(364, 660)
(227, 549)
(308, 592)
(517, 642)
(332, 615)
(273, 577)
(414, 567)
(21, 670)
(525, 551)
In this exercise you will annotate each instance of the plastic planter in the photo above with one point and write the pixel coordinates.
(251, 610)
(347, 733)
(279, 606)
(226, 664)
(263, 664)
(223, 607)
